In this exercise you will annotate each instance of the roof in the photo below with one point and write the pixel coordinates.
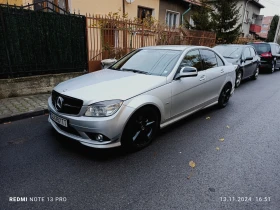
(196, 2)
(169, 47)
(232, 45)
(256, 2)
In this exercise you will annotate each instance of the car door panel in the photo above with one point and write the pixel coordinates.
(186, 91)
(247, 65)
(215, 75)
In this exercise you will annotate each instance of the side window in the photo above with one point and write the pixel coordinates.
(253, 53)
(246, 53)
(209, 59)
(192, 59)
(220, 61)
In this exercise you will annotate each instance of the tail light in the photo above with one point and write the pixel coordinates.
(266, 55)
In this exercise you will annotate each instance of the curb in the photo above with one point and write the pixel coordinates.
(9, 118)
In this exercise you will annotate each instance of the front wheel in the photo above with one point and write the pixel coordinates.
(224, 96)
(272, 68)
(140, 129)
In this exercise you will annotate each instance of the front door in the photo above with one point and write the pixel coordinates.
(187, 92)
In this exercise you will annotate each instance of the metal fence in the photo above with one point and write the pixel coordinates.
(38, 42)
(110, 37)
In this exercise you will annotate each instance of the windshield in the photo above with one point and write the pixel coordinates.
(149, 61)
(261, 48)
(229, 51)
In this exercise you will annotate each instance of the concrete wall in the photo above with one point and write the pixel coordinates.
(32, 85)
(12, 2)
(103, 7)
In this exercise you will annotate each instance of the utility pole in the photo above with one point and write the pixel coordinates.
(123, 3)
(277, 31)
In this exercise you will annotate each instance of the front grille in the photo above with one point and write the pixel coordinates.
(69, 106)
(68, 129)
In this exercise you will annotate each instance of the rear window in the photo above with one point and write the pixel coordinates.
(261, 48)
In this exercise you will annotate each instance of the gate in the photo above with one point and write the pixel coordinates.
(43, 41)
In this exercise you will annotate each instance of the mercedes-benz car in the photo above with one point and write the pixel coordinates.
(146, 90)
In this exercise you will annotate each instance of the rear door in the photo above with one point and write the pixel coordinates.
(276, 54)
(215, 75)
(255, 61)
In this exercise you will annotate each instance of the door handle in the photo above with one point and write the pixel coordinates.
(202, 78)
(222, 71)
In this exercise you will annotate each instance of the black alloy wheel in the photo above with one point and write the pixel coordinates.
(256, 74)
(141, 129)
(224, 96)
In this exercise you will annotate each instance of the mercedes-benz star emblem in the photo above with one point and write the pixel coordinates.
(59, 103)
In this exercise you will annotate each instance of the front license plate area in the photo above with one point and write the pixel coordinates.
(59, 120)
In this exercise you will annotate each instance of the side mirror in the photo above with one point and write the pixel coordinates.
(187, 72)
(249, 58)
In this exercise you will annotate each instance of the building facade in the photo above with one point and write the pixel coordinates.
(134, 8)
(12, 2)
(174, 12)
(265, 27)
(250, 17)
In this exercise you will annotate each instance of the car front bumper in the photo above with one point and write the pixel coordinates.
(82, 128)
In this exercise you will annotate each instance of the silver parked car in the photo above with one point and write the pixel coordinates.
(144, 91)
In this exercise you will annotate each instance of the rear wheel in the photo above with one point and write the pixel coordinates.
(224, 96)
(141, 129)
(272, 68)
(256, 74)
(238, 78)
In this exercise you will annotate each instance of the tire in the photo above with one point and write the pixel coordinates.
(272, 68)
(256, 74)
(140, 129)
(238, 78)
(224, 96)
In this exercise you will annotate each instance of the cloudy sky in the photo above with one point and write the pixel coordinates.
(272, 7)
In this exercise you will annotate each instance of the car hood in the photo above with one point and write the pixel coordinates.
(109, 85)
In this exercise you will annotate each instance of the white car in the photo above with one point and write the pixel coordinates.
(144, 91)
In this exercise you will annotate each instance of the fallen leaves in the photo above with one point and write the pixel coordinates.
(228, 126)
(217, 148)
(7, 123)
(192, 164)
(207, 118)
(221, 139)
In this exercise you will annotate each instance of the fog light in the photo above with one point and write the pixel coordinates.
(99, 137)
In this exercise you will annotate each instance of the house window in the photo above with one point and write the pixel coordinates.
(63, 4)
(144, 12)
(172, 19)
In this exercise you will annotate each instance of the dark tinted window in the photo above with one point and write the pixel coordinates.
(246, 53)
(229, 51)
(253, 53)
(150, 61)
(192, 59)
(209, 59)
(261, 47)
(220, 61)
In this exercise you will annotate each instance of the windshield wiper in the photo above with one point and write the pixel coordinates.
(136, 71)
(228, 57)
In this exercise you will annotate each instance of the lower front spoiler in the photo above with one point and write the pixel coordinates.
(84, 141)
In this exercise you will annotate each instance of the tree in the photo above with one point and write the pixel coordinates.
(224, 18)
(272, 30)
(201, 17)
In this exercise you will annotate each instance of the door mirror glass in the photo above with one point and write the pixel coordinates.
(249, 58)
(187, 72)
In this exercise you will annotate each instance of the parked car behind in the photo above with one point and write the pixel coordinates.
(270, 55)
(245, 57)
(144, 91)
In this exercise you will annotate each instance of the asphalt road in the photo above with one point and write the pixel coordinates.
(35, 163)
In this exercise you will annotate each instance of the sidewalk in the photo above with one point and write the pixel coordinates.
(23, 107)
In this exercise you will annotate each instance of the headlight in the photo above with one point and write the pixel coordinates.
(103, 108)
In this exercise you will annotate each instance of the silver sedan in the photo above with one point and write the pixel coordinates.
(146, 90)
